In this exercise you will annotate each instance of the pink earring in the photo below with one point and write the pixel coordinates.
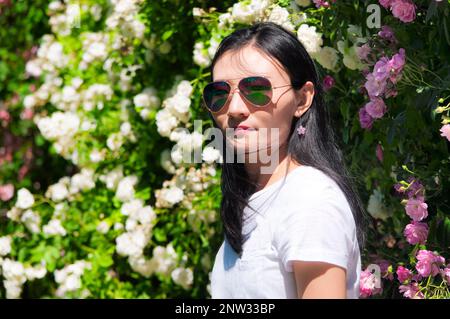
(301, 130)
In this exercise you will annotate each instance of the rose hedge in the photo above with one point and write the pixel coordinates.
(114, 88)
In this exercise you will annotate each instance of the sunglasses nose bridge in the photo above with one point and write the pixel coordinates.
(236, 106)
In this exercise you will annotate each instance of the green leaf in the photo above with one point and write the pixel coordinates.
(166, 35)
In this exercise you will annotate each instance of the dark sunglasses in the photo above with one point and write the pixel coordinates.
(255, 89)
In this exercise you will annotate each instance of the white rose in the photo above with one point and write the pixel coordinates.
(57, 192)
(114, 141)
(132, 207)
(144, 267)
(210, 154)
(29, 101)
(5, 245)
(173, 195)
(72, 283)
(280, 16)
(242, 13)
(103, 227)
(82, 181)
(33, 68)
(328, 58)
(24, 199)
(96, 156)
(183, 277)
(200, 57)
(112, 178)
(14, 213)
(33, 273)
(184, 88)
(54, 227)
(146, 215)
(130, 244)
(32, 221)
(125, 189)
(311, 39)
(165, 122)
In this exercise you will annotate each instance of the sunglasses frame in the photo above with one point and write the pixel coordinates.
(237, 88)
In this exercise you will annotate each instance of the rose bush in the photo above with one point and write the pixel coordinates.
(111, 92)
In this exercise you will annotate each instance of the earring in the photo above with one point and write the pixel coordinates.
(301, 130)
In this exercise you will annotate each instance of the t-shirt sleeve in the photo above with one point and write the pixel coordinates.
(319, 229)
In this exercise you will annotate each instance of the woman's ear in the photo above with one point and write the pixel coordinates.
(304, 98)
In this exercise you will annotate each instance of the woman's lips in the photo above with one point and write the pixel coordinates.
(242, 130)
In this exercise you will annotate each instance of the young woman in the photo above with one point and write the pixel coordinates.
(295, 232)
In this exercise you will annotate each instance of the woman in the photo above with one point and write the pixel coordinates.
(296, 231)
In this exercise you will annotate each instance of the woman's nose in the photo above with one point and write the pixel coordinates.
(237, 106)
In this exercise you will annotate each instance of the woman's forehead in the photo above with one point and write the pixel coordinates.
(249, 61)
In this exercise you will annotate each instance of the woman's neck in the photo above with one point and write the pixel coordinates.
(279, 167)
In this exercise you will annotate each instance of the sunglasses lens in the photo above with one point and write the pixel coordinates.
(257, 90)
(215, 95)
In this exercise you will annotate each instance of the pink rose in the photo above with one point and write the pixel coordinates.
(385, 3)
(328, 82)
(27, 114)
(387, 33)
(416, 233)
(446, 274)
(379, 152)
(373, 86)
(416, 209)
(411, 291)
(415, 189)
(5, 117)
(396, 64)
(365, 119)
(403, 274)
(6, 192)
(369, 284)
(445, 131)
(428, 263)
(381, 69)
(363, 51)
(404, 10)
(376, 108)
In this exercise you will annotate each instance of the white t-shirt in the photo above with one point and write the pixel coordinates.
(303, 217)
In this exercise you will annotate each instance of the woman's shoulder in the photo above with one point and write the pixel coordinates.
(312, 190)
(311, 182)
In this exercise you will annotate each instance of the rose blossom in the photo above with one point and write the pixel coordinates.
(373, 86)
(387, 33)
(328, 82)
(416, 209)
(368, 283)
(379, 152)
(396, 64)
(446, 274)
(376, 108)
(385, 3)
(404, 10)
(415, 190)
(445, 131)
(411, 291)
(403, 274)
(6, 192)
(428, 263)
(416, 233)
(365, 119)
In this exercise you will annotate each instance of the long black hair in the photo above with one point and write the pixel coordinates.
(318, 148)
